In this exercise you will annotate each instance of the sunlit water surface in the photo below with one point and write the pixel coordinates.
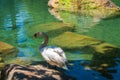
(16, 16)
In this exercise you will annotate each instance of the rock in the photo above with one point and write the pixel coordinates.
(19, 60)
(1, 59)
(2, 65)
(101, 8)
(71, 41)
(33, 72)
(7, 50)
(53, 3)
(104, 48)
(52, 29)
(75, 5)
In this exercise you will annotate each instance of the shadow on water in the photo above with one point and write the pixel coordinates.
(104, 66)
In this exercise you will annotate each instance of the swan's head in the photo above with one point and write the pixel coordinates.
(40, 34)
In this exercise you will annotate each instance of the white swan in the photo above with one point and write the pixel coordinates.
(53, 55)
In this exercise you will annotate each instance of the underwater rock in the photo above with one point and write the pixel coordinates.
(2, 65)
(71, 41)
(104, 48)
(52, 29)
(7, 50)
(19, 60)
(104, 55)
(33, 72)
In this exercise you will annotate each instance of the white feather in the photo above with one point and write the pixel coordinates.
(54, 56)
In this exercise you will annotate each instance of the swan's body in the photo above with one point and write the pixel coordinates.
(53, 55)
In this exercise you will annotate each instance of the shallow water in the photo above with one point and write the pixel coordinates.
(19, 15)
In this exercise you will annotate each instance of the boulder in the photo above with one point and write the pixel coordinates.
(75, 5)
(32, 72)
(101, 8)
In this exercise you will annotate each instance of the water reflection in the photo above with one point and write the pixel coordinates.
(93, 26)
(82, 22)
(17, 16)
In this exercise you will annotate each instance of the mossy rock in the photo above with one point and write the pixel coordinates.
(104, 48)
(70, 40)
(1, 65)
(98, 8)
(101, 52)
(19, 60)
(73, 41)
(7, 50)
(1, 60)
(75, 5)
(52, 29)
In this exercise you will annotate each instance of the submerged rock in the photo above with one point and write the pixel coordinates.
(33, 72)
(2, 65)
(71, 41)
(103, 54)
(19, 60)
(52, 29)
(7, 50)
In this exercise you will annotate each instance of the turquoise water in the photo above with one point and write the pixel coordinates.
(19, 15)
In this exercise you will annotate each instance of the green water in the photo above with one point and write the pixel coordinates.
(16, 16)
(106, 30)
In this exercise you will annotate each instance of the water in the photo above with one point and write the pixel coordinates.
(19, 15)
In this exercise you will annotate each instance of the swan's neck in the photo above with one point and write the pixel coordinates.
(44, 43)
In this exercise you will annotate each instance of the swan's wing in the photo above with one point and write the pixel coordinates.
(60, 52)
(54, 56)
